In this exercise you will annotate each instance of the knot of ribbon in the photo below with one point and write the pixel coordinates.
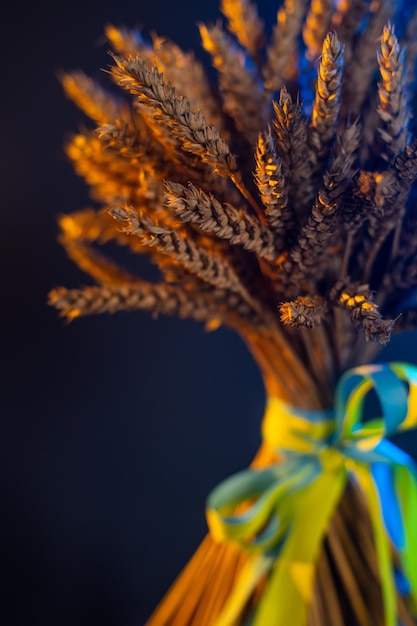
(280, 514)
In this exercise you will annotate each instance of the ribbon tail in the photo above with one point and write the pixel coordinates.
(382, 543)
(405, 482)
(288, 595)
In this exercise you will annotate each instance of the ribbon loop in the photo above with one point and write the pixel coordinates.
(389, 381)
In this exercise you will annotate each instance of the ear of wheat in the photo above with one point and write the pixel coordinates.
(292, 223)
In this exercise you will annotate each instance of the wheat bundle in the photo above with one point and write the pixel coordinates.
(292, 220)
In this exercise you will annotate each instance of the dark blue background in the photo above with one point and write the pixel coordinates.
(113, 429)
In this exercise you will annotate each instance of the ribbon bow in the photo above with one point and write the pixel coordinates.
(287, 507)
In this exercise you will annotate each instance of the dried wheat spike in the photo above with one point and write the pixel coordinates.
(178, 67)
(97, 103)
(392, 109)
(312, 253)
(243, 98)
(189, 127)
(111, 177)
(161, 298)
(327, 101)
(316, 26)
(364, 313)
(273, 187)
(194, 206)
(244, 23)
(284, 42)
(290, 128)
(303, 312)
(205, 264)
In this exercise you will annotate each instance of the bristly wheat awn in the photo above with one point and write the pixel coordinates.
(292, 223)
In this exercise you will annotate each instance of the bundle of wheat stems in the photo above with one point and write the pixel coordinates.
(286, 216)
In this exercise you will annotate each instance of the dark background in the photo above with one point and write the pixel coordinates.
(113, 428)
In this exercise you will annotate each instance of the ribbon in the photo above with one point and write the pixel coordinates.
(280, 514)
